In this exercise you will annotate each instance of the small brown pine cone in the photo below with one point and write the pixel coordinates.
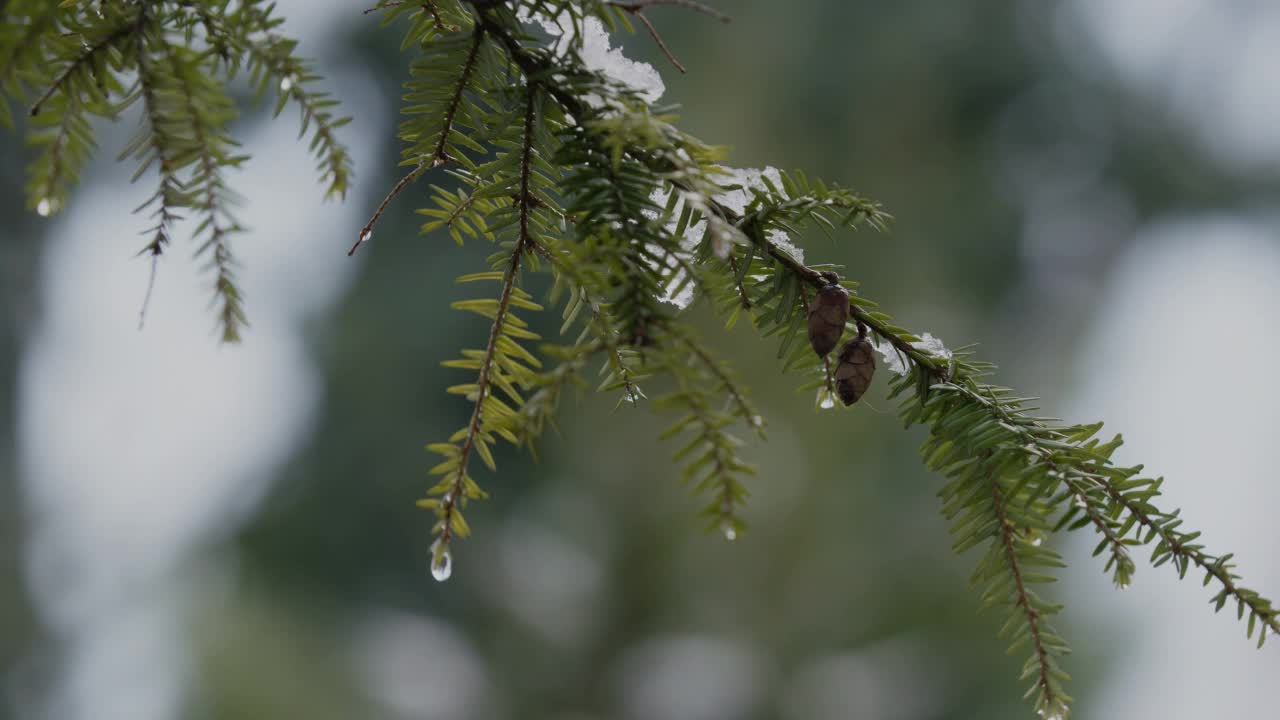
(828, 314)
(857, 367)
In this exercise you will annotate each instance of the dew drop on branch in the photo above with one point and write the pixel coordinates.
(441, 561)
(45, 207)
(286, 83)
(825, 400)
(730, 533)
(365, 236)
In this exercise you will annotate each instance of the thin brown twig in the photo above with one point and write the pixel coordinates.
(376, 8)
(657, 38)
(439, 156)
(366, 232)
(638, 5)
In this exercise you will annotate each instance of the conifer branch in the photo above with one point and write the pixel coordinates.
(742, 291)
(56, 160)
(1183, 550)
(625, 377)
(86, 60)
(161, 149)
(736, 394)
(710, 453)
(449, 505)
(1120, 564)
(208, 183)
(1049, 703)
(291, 75)
(439, 156)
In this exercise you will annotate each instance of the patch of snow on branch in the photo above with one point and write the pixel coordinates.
(598, 54)
(897, 363)
(737, 200)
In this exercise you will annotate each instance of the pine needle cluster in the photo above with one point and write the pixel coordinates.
(567, 170)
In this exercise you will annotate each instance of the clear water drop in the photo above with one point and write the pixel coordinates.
(730, 532)
(1036, 542)
(1123, 586)
(441, 561)
(365, 235)
(45, 207)
(286, 83)
(825, 400)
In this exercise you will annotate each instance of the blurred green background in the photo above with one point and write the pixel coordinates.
(589, 589)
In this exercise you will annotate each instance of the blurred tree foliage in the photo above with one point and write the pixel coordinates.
(591, 558)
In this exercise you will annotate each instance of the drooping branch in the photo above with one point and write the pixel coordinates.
(1051, 705)
(207, 182)
(736, 395)
(160, 150)
(1183, 550)
(449, 505)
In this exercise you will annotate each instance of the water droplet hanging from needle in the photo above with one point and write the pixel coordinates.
(441, 561)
